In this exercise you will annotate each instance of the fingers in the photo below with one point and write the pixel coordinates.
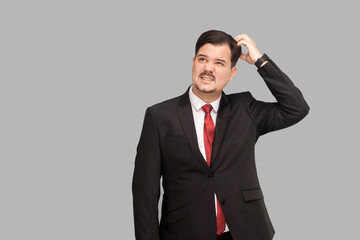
(253, 52)
(243, 56)
(242, 37)
(242, 42)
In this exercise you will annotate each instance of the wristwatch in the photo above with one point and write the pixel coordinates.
(261, 60)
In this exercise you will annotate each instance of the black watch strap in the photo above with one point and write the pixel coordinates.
(262, 59)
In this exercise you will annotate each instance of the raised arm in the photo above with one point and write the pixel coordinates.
(290, 107)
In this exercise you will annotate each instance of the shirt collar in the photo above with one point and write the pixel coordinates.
(197, 102)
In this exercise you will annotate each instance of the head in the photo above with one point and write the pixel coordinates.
(216, 37)
(216, 54)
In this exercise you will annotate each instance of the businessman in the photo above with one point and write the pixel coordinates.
(202, 146)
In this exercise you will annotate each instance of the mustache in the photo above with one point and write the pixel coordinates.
(208, 74)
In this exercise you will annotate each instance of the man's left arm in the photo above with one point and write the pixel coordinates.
(290, 107)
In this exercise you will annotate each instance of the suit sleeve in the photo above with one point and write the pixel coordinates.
(146, 181)
(290, 107)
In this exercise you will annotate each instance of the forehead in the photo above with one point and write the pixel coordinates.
(215, 51)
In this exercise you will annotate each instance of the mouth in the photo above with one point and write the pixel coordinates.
(207, 78)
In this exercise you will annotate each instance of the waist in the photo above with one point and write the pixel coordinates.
(224, 236)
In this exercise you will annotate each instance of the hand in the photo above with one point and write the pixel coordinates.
(253, 53)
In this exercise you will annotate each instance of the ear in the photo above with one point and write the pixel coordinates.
(233, 72)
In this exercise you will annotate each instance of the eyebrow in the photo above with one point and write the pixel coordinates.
(218, 59)
(221, 60)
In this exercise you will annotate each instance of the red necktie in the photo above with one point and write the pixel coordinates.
(209, 132)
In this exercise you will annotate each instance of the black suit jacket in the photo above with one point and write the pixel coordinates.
(168, 148)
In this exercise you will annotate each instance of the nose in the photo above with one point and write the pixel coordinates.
(209, 67)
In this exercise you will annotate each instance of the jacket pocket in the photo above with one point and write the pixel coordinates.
(176, 215)
(252, 195)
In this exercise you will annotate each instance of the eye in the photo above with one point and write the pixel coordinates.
(220, 63)
(202, 59)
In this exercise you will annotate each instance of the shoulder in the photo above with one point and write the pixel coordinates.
(242, 97)
(166, 109)
(165, 105)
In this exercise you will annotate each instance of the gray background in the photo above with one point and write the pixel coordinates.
(77, 76)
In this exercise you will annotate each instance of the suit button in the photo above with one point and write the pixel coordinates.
(211, 177)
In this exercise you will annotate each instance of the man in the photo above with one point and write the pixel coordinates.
(202, 145)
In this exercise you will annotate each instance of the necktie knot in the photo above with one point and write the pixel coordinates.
(207, 108)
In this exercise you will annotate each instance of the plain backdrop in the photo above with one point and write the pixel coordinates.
(76, 78)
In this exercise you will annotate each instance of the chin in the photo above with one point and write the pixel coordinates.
(204, 89)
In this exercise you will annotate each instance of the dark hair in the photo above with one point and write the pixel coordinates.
(216, 37)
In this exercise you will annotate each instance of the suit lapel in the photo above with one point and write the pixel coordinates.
(221, 125)
(187, 121)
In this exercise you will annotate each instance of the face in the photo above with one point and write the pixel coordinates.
(211, 71)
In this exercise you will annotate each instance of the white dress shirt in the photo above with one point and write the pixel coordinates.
(199, 117)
